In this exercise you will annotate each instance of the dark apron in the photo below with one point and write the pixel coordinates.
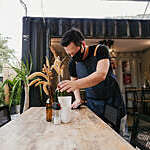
(94, 102)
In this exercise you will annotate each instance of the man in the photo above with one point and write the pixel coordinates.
(90, 68)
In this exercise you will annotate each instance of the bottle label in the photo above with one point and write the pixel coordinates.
(49, 107)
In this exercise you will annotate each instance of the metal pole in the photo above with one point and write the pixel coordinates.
(25, 7)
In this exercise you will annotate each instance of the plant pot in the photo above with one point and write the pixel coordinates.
(65, 103)
(17, 109)
(13, 109)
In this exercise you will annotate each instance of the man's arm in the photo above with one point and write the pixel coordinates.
(77, 95)
(96, 77)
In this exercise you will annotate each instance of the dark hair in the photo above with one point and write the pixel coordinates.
(72, 35)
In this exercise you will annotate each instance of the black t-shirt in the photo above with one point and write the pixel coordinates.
(102, 53)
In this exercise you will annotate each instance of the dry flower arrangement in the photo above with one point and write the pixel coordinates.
(45, 77)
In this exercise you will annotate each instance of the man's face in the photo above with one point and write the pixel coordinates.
(72, 49)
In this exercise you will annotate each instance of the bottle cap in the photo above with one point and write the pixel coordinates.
(56, 106)
(48, 101)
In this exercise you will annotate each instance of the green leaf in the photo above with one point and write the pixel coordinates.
(13, 92)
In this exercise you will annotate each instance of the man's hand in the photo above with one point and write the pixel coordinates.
(67, 85)
(76, 103)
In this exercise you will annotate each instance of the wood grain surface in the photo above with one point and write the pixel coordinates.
(86, 131)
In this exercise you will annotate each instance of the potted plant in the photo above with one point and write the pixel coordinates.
(15, 91)
(23, 70)
(19, 82)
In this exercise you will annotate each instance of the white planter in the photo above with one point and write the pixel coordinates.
(65, 102)
(17, 109)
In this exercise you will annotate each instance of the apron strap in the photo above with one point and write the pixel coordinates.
(85, 53)
(96, 49)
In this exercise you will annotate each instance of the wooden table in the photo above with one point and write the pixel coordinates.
(86, 131)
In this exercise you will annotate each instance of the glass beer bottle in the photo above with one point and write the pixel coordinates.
(48, 110)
